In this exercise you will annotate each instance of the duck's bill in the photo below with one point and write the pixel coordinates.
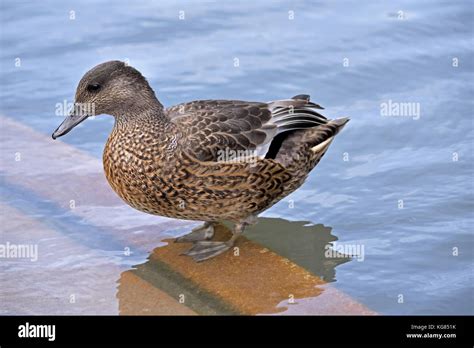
(69, 123)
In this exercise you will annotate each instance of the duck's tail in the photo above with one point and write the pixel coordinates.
(302, 149)
(323, 135)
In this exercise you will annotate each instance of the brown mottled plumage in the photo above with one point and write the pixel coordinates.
(209, 160)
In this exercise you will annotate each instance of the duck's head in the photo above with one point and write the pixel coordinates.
(112, 88)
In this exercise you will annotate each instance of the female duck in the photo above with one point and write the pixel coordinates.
(209, 160)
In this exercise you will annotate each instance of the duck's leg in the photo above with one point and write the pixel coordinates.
(204, 250)
(204, 232)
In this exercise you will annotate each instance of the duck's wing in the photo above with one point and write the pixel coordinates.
(216, 128)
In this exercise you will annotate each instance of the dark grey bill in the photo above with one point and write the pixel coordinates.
(69, 123)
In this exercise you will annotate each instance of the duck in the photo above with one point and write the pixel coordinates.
(205, 160)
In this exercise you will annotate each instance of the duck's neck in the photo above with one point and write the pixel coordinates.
(147, 116)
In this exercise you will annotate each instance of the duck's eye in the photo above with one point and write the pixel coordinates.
(93, 87)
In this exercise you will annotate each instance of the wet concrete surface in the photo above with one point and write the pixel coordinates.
(98, 256)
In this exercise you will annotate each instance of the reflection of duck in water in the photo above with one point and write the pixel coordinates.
(280, 262)
(302, 242)
(181, 162)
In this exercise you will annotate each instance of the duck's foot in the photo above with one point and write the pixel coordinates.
(204, 232)
(204, 250)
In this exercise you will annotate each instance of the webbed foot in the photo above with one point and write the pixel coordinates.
(204, 250)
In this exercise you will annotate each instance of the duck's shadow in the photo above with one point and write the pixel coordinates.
(303, 242)
(277, 260)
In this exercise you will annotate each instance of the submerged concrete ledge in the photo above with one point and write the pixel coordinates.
(257, 281)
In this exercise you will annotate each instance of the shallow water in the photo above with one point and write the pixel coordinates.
(401, 187)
